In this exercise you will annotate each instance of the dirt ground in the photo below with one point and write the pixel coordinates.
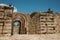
(31, 37)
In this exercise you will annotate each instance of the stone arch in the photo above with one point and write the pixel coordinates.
(22, 18)
(22, 15)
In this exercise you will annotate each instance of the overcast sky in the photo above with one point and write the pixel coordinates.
(29, 6)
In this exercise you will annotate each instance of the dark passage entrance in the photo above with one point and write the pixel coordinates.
(18, 28)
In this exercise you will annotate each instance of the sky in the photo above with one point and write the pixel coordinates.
(29, 6)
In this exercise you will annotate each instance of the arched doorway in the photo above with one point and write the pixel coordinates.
(16, 27)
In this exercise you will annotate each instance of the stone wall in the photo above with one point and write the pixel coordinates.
(44, 23)
(35, 23)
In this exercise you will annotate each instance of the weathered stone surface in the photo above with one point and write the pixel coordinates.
(35, 23)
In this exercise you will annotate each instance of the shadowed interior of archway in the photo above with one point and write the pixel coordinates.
(18, 28)
(17, 24)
